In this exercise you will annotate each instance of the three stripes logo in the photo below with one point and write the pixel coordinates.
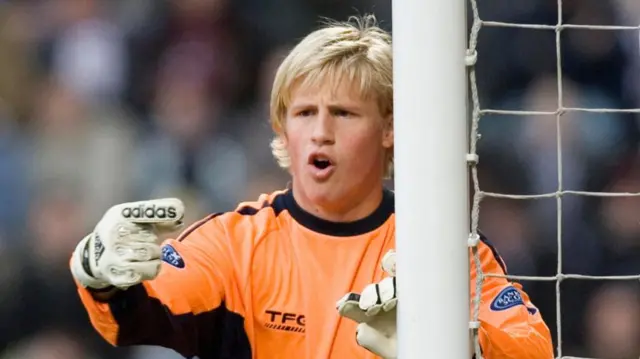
(288, 322)
(98, 248)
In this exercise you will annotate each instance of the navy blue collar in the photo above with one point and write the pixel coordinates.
(373, 221)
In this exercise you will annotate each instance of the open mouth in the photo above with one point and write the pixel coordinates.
(321, 163)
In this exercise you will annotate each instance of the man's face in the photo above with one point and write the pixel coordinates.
(337, 141)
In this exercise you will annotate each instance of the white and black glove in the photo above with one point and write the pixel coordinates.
(124, 248)
(375, 312)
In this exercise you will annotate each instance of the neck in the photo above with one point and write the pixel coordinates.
(348, 209)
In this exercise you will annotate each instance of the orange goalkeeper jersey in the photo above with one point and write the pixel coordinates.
(262, 282)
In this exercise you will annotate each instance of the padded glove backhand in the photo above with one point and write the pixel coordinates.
(375, 311)
(124, 248)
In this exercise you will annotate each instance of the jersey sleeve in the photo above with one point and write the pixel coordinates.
(510, 325)
(192, 307)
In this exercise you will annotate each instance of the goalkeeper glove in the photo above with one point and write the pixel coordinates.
(375, 312)
(124, 249)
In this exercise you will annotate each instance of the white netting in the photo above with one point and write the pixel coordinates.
(473, 159)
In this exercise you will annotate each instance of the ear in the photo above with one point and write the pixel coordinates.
(387, 132)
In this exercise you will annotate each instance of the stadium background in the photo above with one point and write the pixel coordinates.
(116, 100)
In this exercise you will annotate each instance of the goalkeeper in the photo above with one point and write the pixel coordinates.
(266, 280)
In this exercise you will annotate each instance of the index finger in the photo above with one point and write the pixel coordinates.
(163, 211)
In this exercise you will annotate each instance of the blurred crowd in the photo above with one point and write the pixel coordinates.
(105, 101)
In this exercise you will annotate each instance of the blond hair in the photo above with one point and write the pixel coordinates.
(358, 49)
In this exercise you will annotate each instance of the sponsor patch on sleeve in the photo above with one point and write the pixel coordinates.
(507, 298)
(172, 257)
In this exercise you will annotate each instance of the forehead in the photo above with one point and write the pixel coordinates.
(334, 89)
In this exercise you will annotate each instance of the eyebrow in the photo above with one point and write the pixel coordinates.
(331, 106)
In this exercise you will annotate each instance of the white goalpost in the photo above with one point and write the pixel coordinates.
(430, 117)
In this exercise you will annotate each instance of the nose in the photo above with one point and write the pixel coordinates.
(323, 131)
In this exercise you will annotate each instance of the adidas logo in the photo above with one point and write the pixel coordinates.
(151, 212)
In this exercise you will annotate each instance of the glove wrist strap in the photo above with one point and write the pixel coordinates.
(85, 259)
(81, 266)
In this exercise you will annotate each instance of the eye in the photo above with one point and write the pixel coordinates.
(343, 113)
(305, 113)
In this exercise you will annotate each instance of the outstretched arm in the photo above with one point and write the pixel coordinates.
(184, 300)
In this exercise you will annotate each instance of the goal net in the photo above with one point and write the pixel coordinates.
(436, 91)
(557, 127)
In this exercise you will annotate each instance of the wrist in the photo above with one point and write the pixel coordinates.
(103, 294)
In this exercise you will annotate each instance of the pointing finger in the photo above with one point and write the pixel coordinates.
(166, 213)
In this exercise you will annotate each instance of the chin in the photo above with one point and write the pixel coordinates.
(321, 193)
(324, 193)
